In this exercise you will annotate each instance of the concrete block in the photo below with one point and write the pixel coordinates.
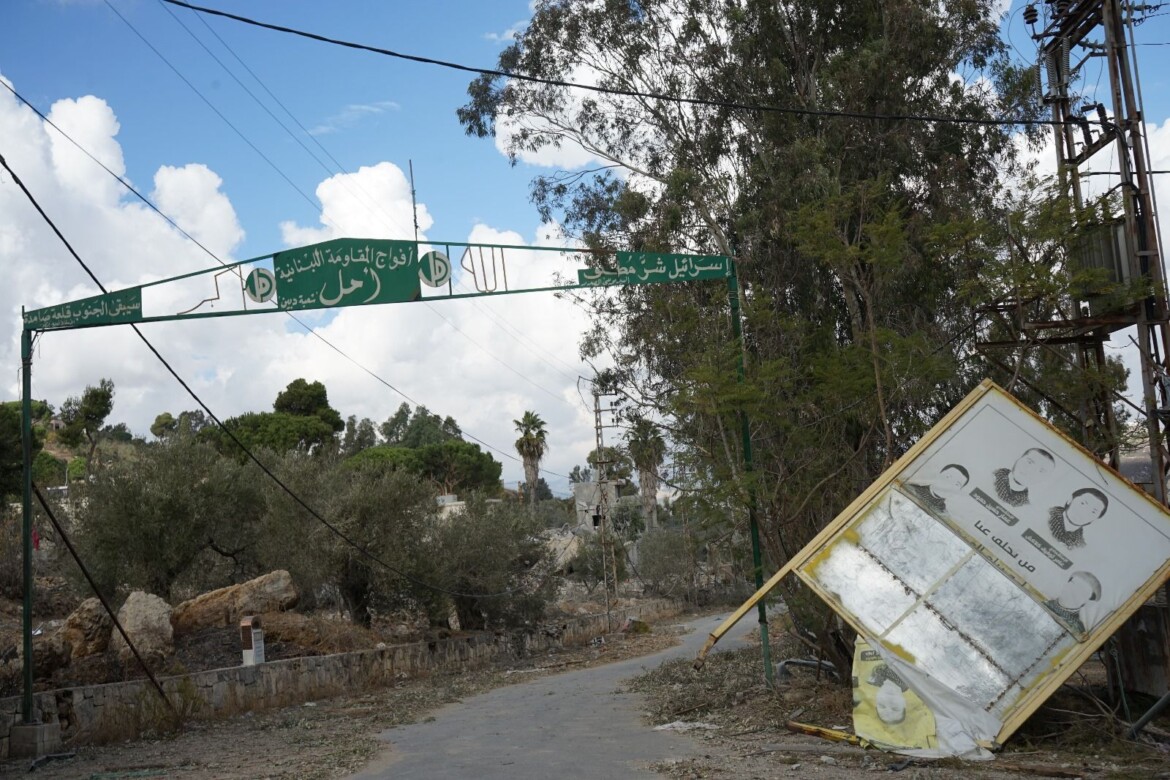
(32, 740)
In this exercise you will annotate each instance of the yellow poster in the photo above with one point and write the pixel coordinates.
(885, 711)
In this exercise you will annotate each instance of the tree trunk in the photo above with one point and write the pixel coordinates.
(648, 482)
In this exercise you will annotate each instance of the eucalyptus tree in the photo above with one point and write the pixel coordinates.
(647, 449)
(531, 446)
(794, 137)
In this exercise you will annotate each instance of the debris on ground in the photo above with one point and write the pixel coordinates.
(683, 725)
(1076, 734)
(329, 738)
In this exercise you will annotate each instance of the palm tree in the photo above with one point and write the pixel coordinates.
(647, 449)
(532, 445)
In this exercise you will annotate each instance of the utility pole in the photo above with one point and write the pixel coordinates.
(1124, 248)
(605, 529)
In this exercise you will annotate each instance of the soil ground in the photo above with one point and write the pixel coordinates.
(323, 739)
(736, 724)
(743, 726)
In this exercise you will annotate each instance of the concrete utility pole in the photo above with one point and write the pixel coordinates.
(1125, 248)
(605, 528)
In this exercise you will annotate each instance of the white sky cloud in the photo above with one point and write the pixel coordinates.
(507, 36)
(482, 361)
(374, 202)
(352, 115)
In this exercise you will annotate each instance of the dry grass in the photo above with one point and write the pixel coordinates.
(1075, 734)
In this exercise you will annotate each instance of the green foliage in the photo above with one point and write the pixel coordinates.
(358, 435)
(118, 432)
(627, 520)
(543, 491)
(580, 474)
(274, 431)
(532, 446)
(304, 399)
(164, 425)
(145, 523)
(616, 465)
(388, 458)
(459, 467)
(47, 470)
(12, 448)
(419, 428)
(42, 411)
(495, 548)
(592, 565)
(860, 245)
(666, 562)
(647, 449)
(78, 468)
(387, 512)
(189, 423)
(454, 466)
(11, 452)
(84, 417)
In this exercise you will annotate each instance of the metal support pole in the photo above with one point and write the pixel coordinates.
(748, 468)
(1152, 713)
(26, 702)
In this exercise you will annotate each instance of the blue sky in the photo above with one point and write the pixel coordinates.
(361, 107)
(484, 363)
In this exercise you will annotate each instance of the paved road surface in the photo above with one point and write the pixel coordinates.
(572, 725)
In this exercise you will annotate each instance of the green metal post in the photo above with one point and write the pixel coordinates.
(748, 468)
(26, 702)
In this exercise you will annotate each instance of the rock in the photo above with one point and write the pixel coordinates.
(274, 592)
(147, 621)
(50, 653)
(88, 629)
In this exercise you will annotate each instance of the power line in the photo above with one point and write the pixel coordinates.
(298, 190)
(308, 328)
(371, 204)
(483, 349)
(250, 455)
(338, 167)
(218, 113)
(762, 108)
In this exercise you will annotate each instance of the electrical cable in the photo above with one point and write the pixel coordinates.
(614, 90)
(303, 194)
(105, 604)
(308, 328)
(315, 206)
(538, 386)
(244, 449)
(337, 169)
(369, 204)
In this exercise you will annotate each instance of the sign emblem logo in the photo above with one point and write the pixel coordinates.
(434, 269)
(261, 285)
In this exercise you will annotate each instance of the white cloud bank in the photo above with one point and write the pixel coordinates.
(482, 361)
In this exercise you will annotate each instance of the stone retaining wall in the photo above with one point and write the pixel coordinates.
(93, 714)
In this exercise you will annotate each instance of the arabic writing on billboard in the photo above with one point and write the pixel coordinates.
(347, 272)
(652, 267)
(109, 309)
(983, 566)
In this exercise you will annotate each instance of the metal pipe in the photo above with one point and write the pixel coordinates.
(1151, 713)
(748, 468)
(26, 701)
